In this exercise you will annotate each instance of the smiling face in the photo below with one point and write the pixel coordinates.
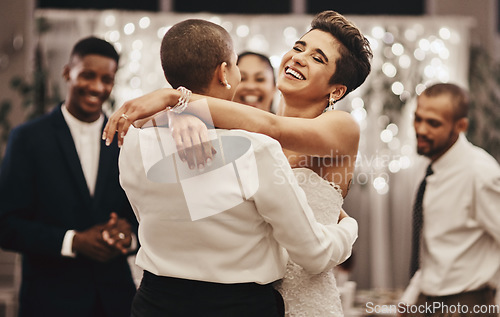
(435, 125)
(90, 81)
(257, 83)
(305, 70)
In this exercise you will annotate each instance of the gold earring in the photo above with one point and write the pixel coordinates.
(331, 103)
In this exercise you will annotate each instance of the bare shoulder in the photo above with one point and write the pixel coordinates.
(342, 122)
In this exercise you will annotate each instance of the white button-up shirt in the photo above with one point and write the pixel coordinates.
(181, 237)
(87, 139)
(461, 232)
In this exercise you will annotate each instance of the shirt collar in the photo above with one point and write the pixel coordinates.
(454, 154)
(76, 123)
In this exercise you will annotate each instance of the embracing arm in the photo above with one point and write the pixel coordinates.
(314, 246)
(334, 133)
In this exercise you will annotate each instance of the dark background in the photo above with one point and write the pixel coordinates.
(373, 7)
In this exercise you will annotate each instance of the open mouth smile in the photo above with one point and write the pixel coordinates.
(294, 73)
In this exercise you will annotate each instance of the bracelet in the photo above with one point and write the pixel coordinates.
(182, 104)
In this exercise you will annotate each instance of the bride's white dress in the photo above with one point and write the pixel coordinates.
(306, 294)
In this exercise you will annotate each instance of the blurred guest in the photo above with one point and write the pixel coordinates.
(456, 254)
(60, 193)
(258, 83)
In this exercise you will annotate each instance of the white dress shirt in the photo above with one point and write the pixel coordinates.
(182, 237)
(461, 231)
(87, 139)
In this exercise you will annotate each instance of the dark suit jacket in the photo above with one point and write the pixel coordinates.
(43, 194)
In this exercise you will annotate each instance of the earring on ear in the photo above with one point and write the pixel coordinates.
(226, 84)
(331, 103)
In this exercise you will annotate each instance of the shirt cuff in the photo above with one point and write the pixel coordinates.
(67, 245)
(412, 292)
(133, 243)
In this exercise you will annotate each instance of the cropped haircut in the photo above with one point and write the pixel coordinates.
(94, 46)
(459, 97)
(262, 57)
(191, 51)
(353, 66)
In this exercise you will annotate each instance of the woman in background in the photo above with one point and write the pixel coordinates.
(258, 83)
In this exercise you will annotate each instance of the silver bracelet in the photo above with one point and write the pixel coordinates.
(182, 104)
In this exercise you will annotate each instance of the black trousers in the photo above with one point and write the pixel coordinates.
(160, 296)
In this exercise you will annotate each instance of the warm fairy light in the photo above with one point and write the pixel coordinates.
(393, 128)
(359, 114)
(258, 43)
(380, 184)
(134, 67)
(410, 35)
(373, 42)
(135, 55)
(137, 45)
(378, 32)
(110, 20)
(228, 25)
(420, 88)
(242, 31)
(397, 49)
(397, 88)
(161, 31)
(419, 54)
(144, 22)
(404, 162)
(404, 61)
(424, 44)
(135, 82)
(113, 36)
(389, 70)
(357, 103)
(388, 38)
(129, 28)
(215, 19)
(444, 33)
(290, 32)
(386, 136)
(394, 166)
(275, 61)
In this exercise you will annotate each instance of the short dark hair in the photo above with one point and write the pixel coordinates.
(459, 97)
(93, 45)
(190, 52)
(353, 66)
(262, 57)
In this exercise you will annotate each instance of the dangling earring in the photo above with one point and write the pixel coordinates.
(226, 84)
(331, 103)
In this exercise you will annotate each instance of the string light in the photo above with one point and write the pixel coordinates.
(410, 55)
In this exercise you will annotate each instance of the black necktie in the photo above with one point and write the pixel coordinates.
(418, 221)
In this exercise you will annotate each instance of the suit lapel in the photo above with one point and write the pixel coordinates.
(106, 165)
(67, 145)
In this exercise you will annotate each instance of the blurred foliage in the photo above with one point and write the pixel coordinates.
(484, 112)
(33, 91)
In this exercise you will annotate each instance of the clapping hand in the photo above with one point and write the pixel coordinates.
(118, 233)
